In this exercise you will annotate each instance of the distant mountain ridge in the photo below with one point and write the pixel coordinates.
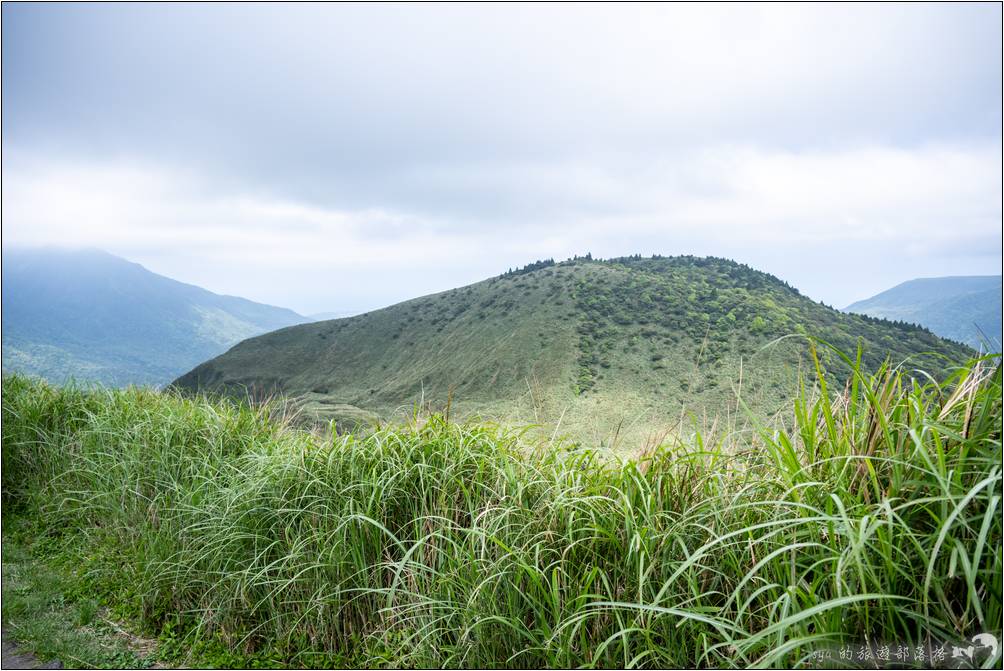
(963, 308)
(611, 350)
(93, 316)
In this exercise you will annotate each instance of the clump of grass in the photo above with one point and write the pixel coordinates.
(866, 514)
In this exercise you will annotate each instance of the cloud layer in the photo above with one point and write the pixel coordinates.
(342, 156)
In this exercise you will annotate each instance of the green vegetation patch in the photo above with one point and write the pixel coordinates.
(47, 610)
(610, 351)
(873, 514)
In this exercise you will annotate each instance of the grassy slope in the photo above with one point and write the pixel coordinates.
(96, 317)
(873, 515)
(609, 349)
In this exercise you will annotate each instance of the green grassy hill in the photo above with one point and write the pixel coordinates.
(92, 316)
(609, 351)
(967, 309)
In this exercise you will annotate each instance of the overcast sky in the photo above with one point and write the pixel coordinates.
(345, 157)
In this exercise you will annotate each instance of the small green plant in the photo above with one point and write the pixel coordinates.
(86, 610)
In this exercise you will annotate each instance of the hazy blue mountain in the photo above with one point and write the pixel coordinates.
(92, 316)
(952, 307)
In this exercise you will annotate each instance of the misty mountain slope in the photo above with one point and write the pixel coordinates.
(953, 307)
(597, 348)
(93, 316)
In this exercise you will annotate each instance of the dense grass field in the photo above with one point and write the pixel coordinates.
(864, 514)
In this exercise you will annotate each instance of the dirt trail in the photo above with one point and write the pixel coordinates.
(12, 659)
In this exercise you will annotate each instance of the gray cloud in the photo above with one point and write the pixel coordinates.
(330, 156)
